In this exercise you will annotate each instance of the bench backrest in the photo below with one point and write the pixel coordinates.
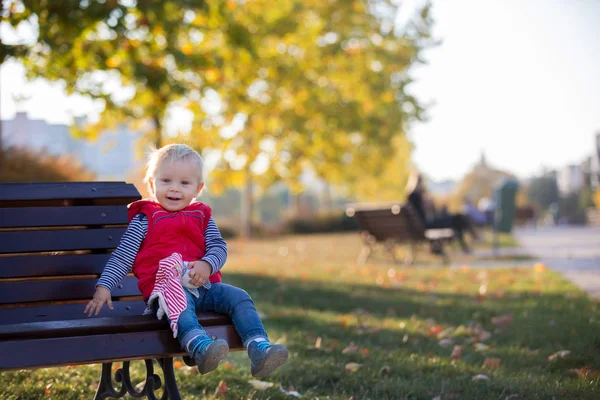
(55, 239)
(390, 221)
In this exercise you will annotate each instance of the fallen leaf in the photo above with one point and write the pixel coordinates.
(480, 334)
(559, 354)
(352, 367)
(385, 370)
(481, 347)
(456, 353)
(178, 364)
(446, 342)
(502, 320)
(260, 385)
(480, 377)
(540, 267)
(491, 363)
(445, 333)
(350, 349)
(364, 352)
(585, 372)
(434, 330)
(290, 392)
(227, 366)
(221, 389)
(318, 343)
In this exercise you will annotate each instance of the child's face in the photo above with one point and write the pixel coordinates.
(176, 184)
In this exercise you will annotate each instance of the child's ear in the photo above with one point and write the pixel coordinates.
(151, 186)
(199, 188)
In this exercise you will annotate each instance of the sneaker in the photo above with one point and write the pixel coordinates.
(266, 357)
(208, 358)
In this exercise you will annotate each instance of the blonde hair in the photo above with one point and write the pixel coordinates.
(172, 153)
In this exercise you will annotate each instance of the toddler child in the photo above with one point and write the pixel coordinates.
(171, 239)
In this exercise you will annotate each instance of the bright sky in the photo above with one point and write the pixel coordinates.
(518, 79)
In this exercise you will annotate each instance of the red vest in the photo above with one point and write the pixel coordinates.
(169, 232)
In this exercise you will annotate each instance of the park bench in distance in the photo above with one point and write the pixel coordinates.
(55, 239)
(393, 224)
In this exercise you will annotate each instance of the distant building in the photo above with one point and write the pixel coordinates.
(569, 179)
(111, 156)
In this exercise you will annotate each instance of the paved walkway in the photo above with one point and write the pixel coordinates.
(572, 251)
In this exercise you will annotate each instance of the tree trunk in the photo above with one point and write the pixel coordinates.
(297, 204)
(328, 198)
(247, 205)
(157, 132)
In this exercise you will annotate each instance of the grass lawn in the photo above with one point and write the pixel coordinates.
(385, 331)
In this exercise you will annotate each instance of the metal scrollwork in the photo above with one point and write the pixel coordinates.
(152, 382)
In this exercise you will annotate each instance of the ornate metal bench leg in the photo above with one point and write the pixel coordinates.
(411, 253)
(390, 247)
(365, 252)
(171, 389)
(106, 387)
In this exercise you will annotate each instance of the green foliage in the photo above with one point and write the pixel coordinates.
(21, 165)
(319, 85)
(162, 52)
(326, 91)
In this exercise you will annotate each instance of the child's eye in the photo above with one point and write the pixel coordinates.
(185, 182)
(165, 180)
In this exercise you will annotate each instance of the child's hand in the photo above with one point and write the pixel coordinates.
(101, 297)
(199, 272)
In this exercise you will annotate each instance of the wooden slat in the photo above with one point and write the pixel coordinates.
(59, 290)
(62, 216)
(96, 326)
(67, 312)
(58, 240)
(65, 190)
(38, 353)
(52, 265)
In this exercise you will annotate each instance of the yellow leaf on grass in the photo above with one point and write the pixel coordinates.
(260, 385)
(178, 364)
(481, 347)
(559, 354)
(491, 363)
(350, 349)
(352, 367)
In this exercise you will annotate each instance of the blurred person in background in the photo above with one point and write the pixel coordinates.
(423, 205)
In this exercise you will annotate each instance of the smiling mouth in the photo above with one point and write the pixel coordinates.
(173, 198)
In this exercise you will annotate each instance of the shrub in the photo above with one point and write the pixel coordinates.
(22, 165)
(325, 223)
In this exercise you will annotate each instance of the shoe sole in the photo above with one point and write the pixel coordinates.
(274, 361)
(214, 354)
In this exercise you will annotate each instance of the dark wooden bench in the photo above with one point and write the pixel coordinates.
(392, 224)
(55, 239)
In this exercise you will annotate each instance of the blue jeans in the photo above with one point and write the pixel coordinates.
(223, 299)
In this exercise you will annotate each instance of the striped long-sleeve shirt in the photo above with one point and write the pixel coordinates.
(121, 260)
